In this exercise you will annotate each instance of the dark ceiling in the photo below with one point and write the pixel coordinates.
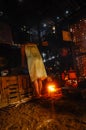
(23, 15)
(27, 11)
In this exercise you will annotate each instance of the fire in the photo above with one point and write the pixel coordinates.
(51, 88)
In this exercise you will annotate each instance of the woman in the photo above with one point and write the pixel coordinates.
(36, 67)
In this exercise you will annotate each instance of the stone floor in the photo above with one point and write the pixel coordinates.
(45, 114)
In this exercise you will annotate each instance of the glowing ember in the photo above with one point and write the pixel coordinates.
(52, 88)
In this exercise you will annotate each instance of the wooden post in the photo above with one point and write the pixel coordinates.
(23, 57)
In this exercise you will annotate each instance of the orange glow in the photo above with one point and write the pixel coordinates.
(72, 75)
(51, 88)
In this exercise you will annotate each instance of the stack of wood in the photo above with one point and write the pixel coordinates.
(14, 89)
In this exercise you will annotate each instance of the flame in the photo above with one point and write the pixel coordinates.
(51, 88)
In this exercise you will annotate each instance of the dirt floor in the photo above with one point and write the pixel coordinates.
(45, 114)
